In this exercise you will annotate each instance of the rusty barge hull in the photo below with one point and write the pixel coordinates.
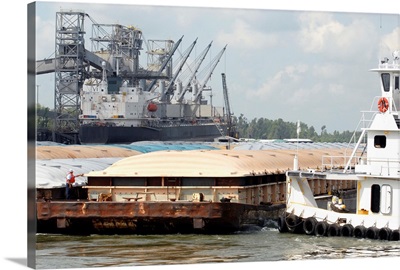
(150, 217)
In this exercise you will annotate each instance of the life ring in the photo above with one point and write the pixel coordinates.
(372, 233)
(321, 228)
(383, 104)
(309, 225)
(360, 231)
(347, 230)
(384, 233)
(333, 230)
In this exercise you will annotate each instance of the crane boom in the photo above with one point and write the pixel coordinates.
(180, 98)
(227, 105)
(171, 83)
(207, 78)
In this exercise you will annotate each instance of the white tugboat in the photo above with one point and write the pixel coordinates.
(375, 169)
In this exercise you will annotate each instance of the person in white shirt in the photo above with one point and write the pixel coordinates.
(70, 179)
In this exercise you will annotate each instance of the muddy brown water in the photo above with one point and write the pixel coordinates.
(254, 245)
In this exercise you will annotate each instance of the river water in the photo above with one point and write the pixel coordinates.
(256, 245)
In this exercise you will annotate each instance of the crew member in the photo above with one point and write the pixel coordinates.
(70, 179)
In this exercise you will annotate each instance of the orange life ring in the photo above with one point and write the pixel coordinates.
(383, 104)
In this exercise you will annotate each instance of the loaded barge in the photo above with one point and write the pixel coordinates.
(376, 173)
(194, 191)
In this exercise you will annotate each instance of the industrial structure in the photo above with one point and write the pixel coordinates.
(112, 68)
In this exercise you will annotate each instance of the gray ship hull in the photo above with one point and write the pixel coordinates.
(114, 134)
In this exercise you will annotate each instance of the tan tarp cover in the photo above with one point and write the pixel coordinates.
(219, 163)
(82, 151)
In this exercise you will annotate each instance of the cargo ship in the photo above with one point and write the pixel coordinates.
(132, 114)
(109, 95)
(160, 103)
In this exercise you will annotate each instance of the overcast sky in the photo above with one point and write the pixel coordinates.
(296, 65)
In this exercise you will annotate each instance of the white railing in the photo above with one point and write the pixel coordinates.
(269, 192)
(387, 166)
(379, 166)
(340, 162)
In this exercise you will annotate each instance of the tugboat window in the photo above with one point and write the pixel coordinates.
(375, 198)
(380, 141)
(386, 81)
(396, 82)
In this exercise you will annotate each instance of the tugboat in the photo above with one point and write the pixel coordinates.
(376, 172)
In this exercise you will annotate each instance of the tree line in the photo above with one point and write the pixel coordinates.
(257, 128)
(262, 128)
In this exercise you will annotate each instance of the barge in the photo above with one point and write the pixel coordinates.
(193, 191)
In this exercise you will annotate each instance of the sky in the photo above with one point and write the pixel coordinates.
(293, 65)
(298, 65)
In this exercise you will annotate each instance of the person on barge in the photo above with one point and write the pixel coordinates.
(70, 179)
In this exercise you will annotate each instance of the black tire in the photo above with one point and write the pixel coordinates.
(360, 231)
(384, 234)
(321, 228)
(372, 233)
(347, 230)
(333, 230)
(309, 225)
(395, 236)
(282, 227)
(292, 221)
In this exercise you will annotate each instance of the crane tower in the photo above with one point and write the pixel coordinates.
(227, 106)
(69, 73)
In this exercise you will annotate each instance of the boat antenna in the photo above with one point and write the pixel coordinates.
(296, 160)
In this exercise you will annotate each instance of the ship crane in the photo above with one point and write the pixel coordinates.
(203, 55)
(169, 90)
(228, 107)
(207, 78)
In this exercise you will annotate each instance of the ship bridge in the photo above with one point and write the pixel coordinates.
(389, 73)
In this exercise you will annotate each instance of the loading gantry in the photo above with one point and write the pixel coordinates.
(113, 45)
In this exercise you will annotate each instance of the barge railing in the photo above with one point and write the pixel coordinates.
(270, 193)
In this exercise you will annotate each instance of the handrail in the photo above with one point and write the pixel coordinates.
(347, 161)
(354, 151)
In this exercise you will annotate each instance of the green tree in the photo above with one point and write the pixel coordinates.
(262, 128)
